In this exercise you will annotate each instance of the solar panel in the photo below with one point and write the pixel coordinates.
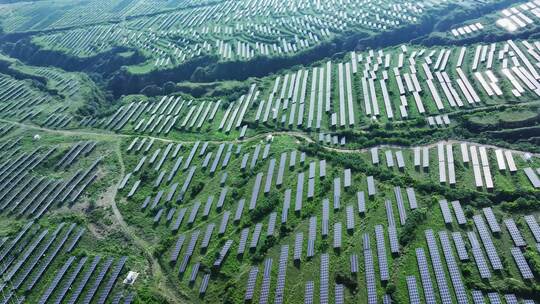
(389, 158)
(387, 299)
(271, 224)
(322, 168)
(179, 243)
(308, 293)
(255, 191)
(312, 167)
(533, 226)
(337, 186)
(453, 269)
(239, 210)
(325, 217)
(411, 196)
(97, 281)
(337, 235)
(438, 269)
(337, 202)
(243, 240)
(223, 253)
(311, 188)
(224, 221)
(215, 163)
(292, 161)
(424, 276)
(477, 296)
(510, 299)
(82, 283)
(381, 253)
(447, 216)
(252, 279)
(478, 256)
(494, 298)
(204, 284)
(347, 179)
(193, 213)
(269, 175)
(112, 279)
(255, 236)
(324, 278)
(354, 263)
(459, 213)
(208, 206)
(280, 286)
(361, 200)
(298, 242)
(59, 275)
(255, 156)
(393, 237)
(514, 233)
(265, 286)
(48, 259)
(339, 294)
(488, 243)
(243, 164)
(70, 280)
(179, 218)
(299, 192)
(194, 272)
(286, 205)
(521, 263)
(389, 213)
(371, 186)
(369, 272)
(460, 246)
(281, 169)
(492, 221)
(401, 206)
(350, 217)
(312, 236)
(414, 297)
(208, 235)
(374, 156)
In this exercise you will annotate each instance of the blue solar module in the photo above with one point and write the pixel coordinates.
(414, 297)
(477, 296)
(481, 264)
(488, 243)
(223, 253)
(521, 263)
(280, 287)
(354, 263)
(381, 253)
(59, 275)
(70, 280)
(423, 268)
(204, 284)
(101, 274)
(369, 272)
(514, 233)
(112, 279)
(82, 283)
(265, 286)
(453, 269)
(252, 280)
(438, 268)
(324, 277)
(298, 242)
(312, 236)
(308, 293)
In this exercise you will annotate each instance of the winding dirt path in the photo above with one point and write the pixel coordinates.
(163, 285)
